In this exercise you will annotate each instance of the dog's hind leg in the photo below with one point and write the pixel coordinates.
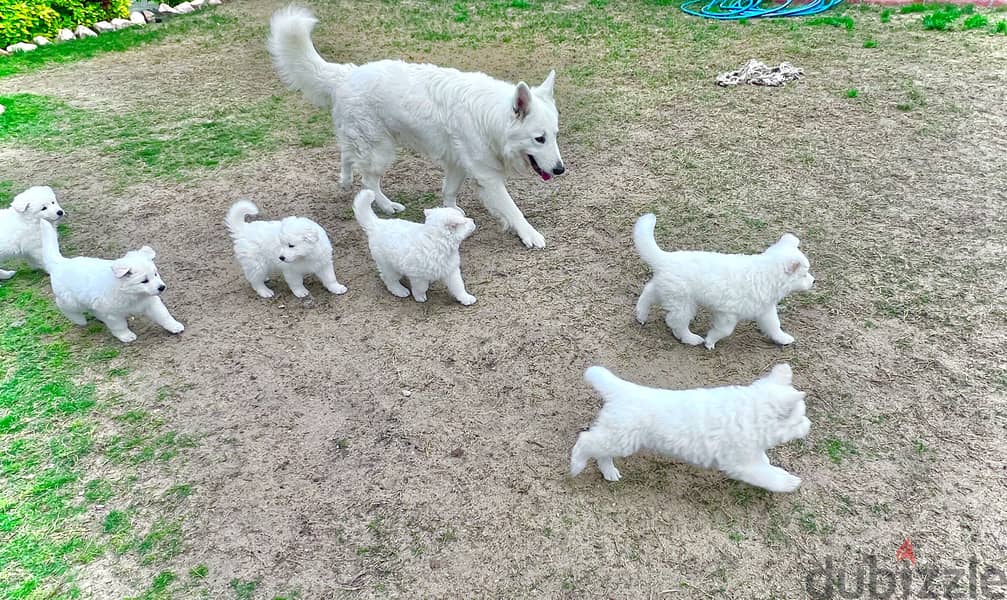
(419, 287)
(373, 182)
(454, 177)
(6, 274)
(158, 313)
(723, 326)
(769, 323)
(647, 297)
(678, 319)
(346, 171)
(391, 278)
(496, 200)
(257, 278)
(118, 327)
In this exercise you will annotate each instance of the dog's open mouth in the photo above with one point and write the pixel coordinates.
(534, 165)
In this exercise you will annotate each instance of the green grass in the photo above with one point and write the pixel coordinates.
(870, 44)
(886, 15)
(243, 590)
(115, 41)
(199, 572)
(838, 450)
(841, 21)
(975, 21)
(1001, 26)
(852, 93)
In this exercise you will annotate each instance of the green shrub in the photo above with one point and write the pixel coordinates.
(21, 20)
(975, 22)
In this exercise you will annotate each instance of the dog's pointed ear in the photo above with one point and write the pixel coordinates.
(782, 373)
(310, 236)
(120, 269)
(522, 100)
(21, 202)
(546, 89)
(787, 240)
(148, 252)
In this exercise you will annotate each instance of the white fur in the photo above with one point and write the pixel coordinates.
(424, 252)
(726, 428)
(293, 247)
(111, 290)
(734, 287)
(19, 232)
(468, 123)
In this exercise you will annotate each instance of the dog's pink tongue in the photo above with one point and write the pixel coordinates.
(546, 176)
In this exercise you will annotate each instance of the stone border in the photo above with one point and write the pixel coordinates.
(136, 18)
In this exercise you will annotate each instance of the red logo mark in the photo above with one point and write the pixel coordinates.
(905, 552)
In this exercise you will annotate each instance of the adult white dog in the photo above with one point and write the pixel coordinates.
(469, 123)
(111, 290)
(734, 287)
(293, 247)
(726, 428)
(19, 232)
(423, 252)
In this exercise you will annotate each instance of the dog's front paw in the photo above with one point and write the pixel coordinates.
(400, 291)
(337, 289)
(175, 327)
(783, 338)
(694, 340)
(420, 297)
(710, 345)
(612, 474)
(264, 292)
(467, 300)
(127, 337)
(301, 293)
(789, 483)
(532, 238)
(6, 274)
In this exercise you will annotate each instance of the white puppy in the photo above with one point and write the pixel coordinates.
(726, 428)
(111, 290)
(293, 247)
(424, 252)
(734, 287)
(468, 123)
(19, 232)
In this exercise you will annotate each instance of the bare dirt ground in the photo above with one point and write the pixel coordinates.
(368, 446)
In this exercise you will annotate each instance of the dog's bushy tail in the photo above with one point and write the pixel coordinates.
(51, 255)
(363, 211)
(604, 382)
(643, 237)
(235, 219)
(296, 60)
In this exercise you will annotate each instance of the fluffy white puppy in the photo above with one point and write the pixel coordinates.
(734, 287)
(293, 247)
(726, 428)
(423, 252)
(468, 123)
(111, 290)
(19, 232)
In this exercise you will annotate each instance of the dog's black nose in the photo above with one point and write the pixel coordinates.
(161, 287)
(283, 258)
(558, 169)
(59, 213)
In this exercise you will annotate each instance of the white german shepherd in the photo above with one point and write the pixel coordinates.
(469, 123)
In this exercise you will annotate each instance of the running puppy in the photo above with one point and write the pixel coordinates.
(293, 247)
(19, 232)
(111, 290)
(726, 428)
(424, 252)
(734, 287)
(469, 123)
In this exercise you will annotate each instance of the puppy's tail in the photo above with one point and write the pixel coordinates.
(604, 382)
(296, 60)
(235, 218)
(51, 255)
(362, 210)
(643, 237)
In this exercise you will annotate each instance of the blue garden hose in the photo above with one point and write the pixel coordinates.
(750, 9)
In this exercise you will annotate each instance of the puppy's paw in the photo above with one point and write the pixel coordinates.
(127, 337)
(467, 300)
(783, 338)
(175, 327)
(532, 238)
(301, 292)
(337, 289)
(390, 207)
(264, 292)
(694, 340)
(789, 483)
(420, 298)
(6, 274)
(400, 291)
(612, 474)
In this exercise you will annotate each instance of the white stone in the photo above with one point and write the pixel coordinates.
(103, 27)
(185, 8)
(197, 4)
(3, 52)
(21, 47)
(3, 108)
(82, 32)
(137, 18)
(40, 40)
(65, 35)
(164, 8)
(150, 16)
(121, 23)
(214, 2)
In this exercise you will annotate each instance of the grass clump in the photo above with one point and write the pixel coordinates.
(1001, 26)
(852, 93)
(870, 44)
(841, 21)
(975, 21)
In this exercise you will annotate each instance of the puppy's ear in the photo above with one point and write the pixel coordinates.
(522, 100)
(788, 240)
(120, 269)
(782, 373)
(21, 201)
(546, 89)
(792, 266)
(148, 252)
(310, 236)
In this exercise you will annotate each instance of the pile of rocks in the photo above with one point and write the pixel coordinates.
(135, 19)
